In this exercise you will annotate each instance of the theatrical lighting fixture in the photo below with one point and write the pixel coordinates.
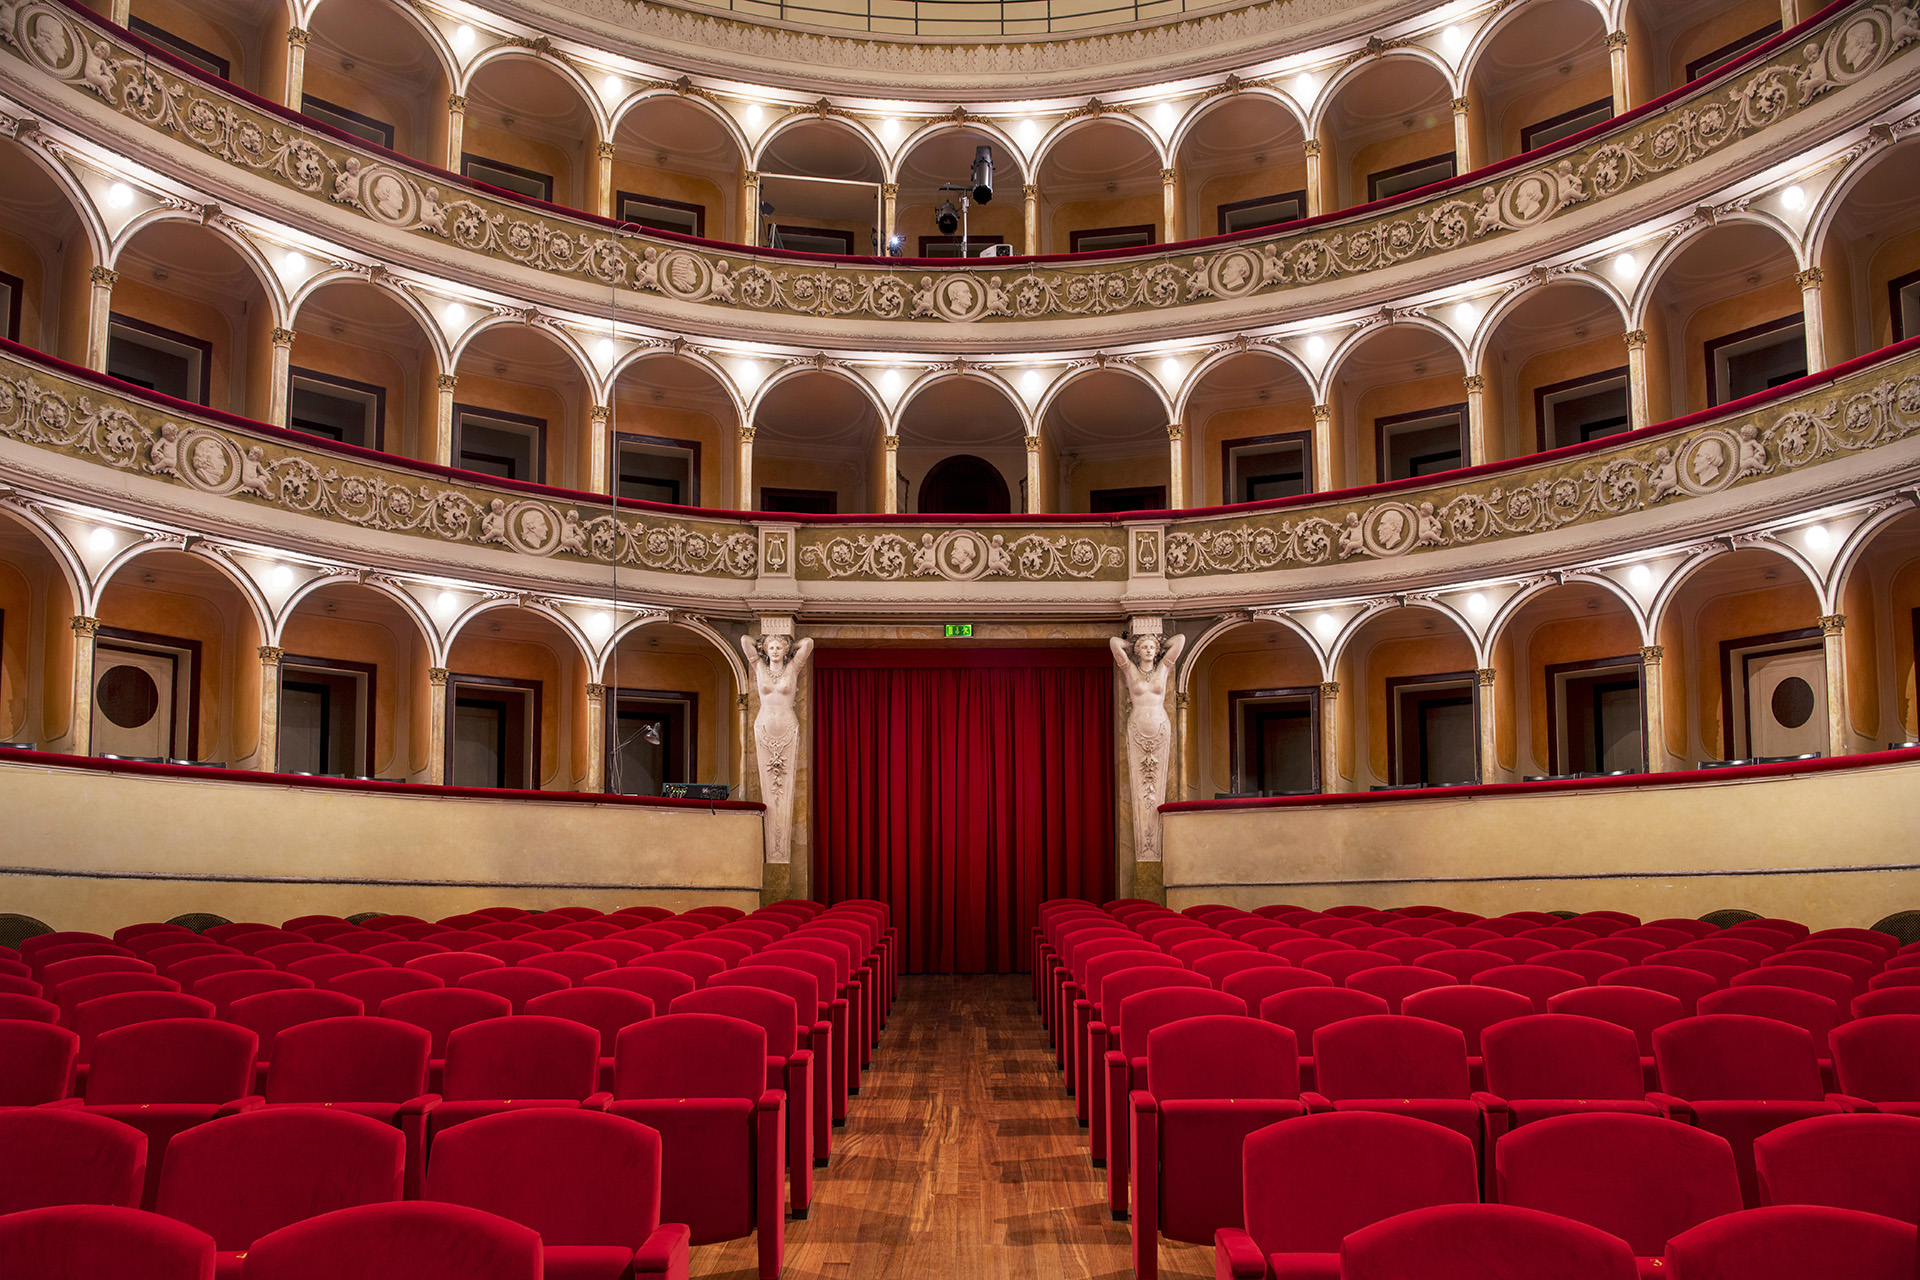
(983, 174)
(947, 219)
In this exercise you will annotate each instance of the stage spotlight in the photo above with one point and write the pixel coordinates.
(983, 175)
(947, 219)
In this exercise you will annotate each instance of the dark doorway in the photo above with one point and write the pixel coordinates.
(965, 485)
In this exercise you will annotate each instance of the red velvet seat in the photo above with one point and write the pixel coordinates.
(816, 1035)
(287, 953)
(618, 950)
(87, 1242)
(224, 988)
(1631, 950)
(404, 1241)
(61, 1155)
(1718, 965)
(1517, 950)
(439, 1012)
(608, 1010)
(829, 1008)
(36, 1061)
(847, 986)
(1887, 1000)
(271, 1012)
(1305, 1010)
(15, 985)
(451, 966)
(245, 1176)
(372, 987)
(1887, 943)
(512, 1063)
(1637, 1009)
(60, 971)
(1878, 1058)
(1463, 964)
(1255, 985)
(1470, 1011)
(1394, 983)
(1409, 950)
(1136, 1003)
(106, 1013)
(556, 939)
(699, 1079)
(374, 1067)
(322, 970)
(1217, 968)
(517, 984)
(1739, 1077)
(1684, 985)
(1080, 1055)
(1590, 965)
(1551, 1064)
(1866, 1162)
(25, 1008)
(1300, 950)
(1670, 933)
(126, 934)
(1342, 965)
(589, 1183)
(1210, 1081)
(1751, 950)
(696, 965)
(1311, 1182)
(1479, 1241)
(258, 940)
(1816, 1014)
(509, 951)
(1462, 936)
(1558, 936)
(1539, 983)
(1837, 987)
(574, 966)
(175, 953)
(400, 952)
(166, 1076)
(1797, 1242)
(1640, 1178)
(506, 929)
(191, 969)
(658, 985)
(74, 992)
(790, 1067)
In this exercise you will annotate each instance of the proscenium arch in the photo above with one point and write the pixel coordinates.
(263, 273)
(436, 339)
(627, 105)
(1190, 385)
(596, 110)
(1670, 252)
(1192, 119)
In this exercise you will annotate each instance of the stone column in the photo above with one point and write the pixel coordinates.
(1462, 135)
(296, 65)
(437, 712)
(1329, 736)
(740, 729)
(1789, 15)
(1170, 203)
(268, 760)
(1316, 179)
(1810, 310)
(278, 389)
(1617, 60)
(1030, 217)
(603, 179)
(1653, 707)
(743, 497)
(890, 474)
(1478, 450)
(889, 210)
(1639, 393)
(1033, 473)
(1323, 448)
(1483, 711)
(443, 419)
(81, 732)
(1176, 466)
(120, 11)
(750, 207)
(1833, 630)
(99, 312)
(596, 738)
(600, 458)
(456, 129)
(1177, 761)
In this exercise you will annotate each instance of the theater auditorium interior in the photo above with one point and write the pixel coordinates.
(994, 639)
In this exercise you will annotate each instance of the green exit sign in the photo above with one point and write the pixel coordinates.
(959, 631)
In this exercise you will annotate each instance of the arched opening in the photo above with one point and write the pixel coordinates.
(244, 43)
(677, 168)
(1880, 600)
(1723, 321)
(822, 179)
(1402, 404)
(176, 672)
(1545, 75)
(816, 447)
(1243, 165)
(518, 408)
(371, 72)
(44, 259)
(36, 642)
(1250, 420)
(516, 704)
(191, 320)
(1872, 245)
(1569, 685)
(1100, 188)
(970, 423)
(669, 708)
(1389, 130)
(529, 131)
(362, 370)
(674, 431)
(1415, 718)
(1257, 693)
(946, 158)
(1671, 43)
(1555, 370)
(1104, 445)
(354, 692)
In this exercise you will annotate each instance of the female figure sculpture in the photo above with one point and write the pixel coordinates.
(776, 731)
(1149, 733)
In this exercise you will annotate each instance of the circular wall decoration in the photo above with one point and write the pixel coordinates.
(1792, 702)
(128, 696)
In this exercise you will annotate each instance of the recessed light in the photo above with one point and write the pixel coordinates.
(1626, 264)
(455, 315)
(295, 264)
(1640, 576)
(101, 539)
(119, 195)
(463, 38)
(1327, 625)
(1793, 198)
(1817, 538)
(1316, 346)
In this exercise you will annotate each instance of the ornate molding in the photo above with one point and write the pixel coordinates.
(1652, 654)
(963, 555)
(271, 655)
(83, 625)
(1833, 624)
(104, 277)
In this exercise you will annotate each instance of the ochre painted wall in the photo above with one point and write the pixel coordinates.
(1285, 664)
(1066, 217)
(1431, 391)
(1730, 315)
(1418, 143)
(1607, 633)
(1788, 605)
(143, 300)
(552, 663)
(565, 422)
(1717, 32)
(1583, 359)
(229, 711)
(1443, 651)
(629, 174)
(19, 258)
(1206, 479)
(313, 634)
(1118, 473)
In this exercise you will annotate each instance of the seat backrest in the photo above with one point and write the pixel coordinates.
(618, 950)
(451, 966)
(1468, 1010)
(508, 951)
(1464, 963)
(723, 949)
(1144, 1011)
(1588, 964)
(192, 968)
(352, 1059)
(1794, 1241)
(608, 1010)
(1118, 986)
(101, 1014)
(574, 966)
(70, 994)
(1878, 1058)
(1865, 1162)
(1539, 983)
(243, 1176)
(1255, 985)
(605, 1190)
(324, 969)
(1390, 1056)
(1342, 965)
(1837, 987)
(1562, 1055)
(1312, 1181)
(17, 1006)
(517, 984)
(62, 1155)
(439, 1011)
(1221, 1056)
(1394, 983)
(83, 966)
(1887, 1000)
(1684, 985)
(774, 1013)
(68, 1242)
(1638, 1009)
(1305, 1010)
(1188, 953)
(1408, 950)
(1473, 1241)
(224, 988)
(523, 1056)
(1099, 967)
(1217, 968)
(695, 964)
(373, 987)
(1366, 935)
(691, 1055)
(1733, 1056)
(1718, 965)
(408, 1240)
(36, 1061)
(1814, 1013)
(172, 1060)
(1642, 1178)
(269, 1013)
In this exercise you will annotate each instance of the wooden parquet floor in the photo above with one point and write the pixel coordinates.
(960, 1159)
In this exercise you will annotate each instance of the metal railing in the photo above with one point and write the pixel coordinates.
(963, 19)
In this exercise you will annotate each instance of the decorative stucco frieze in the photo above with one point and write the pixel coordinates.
(964, 555)
(1849, 46)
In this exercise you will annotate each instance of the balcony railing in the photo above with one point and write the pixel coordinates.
(964, 19)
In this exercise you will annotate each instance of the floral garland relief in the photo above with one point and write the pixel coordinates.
(1853, 45)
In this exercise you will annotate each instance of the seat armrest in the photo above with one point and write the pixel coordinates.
(1236, 1256)
(1674, 1108)
(1142, 1102)
(664, 1253)
(801, 1056)
(419, 1106)
(1849, 1103)
(252, 1102)
(599, 1101)
(1315, 1103)
(771, 1100)
(66, 1102)
(1491, 1102)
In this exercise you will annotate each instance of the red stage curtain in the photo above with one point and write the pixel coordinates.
(962, 789)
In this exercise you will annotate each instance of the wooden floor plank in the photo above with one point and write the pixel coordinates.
(960, 1160)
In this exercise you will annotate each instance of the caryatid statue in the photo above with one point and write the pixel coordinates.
(1149, 732)
(777, 662)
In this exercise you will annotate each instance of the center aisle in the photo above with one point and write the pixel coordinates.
(961, 1159)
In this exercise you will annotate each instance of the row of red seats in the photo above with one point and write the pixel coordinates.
(1112, 984)
(706, 1014)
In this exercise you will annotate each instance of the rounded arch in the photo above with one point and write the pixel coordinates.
(1190, 386)
(798, 119)
(1834, 199)
(1008, 147)
(1688, 569)
(1853, 549)
(1193, 119)
(968, 473)
(557, 335)
(201, 552)
(1530, 290)
(1375, 611)
(374, 583)
(1330, 91)
(801, 369)
(405, 300)
(1360, 337)
(1504, 616)
(582, 647)
(618, 114)
(409, 16)
(264, 276)
(64, 556)
(1125, 369)
(1189, 661)
(99, 239)
(495, 54)
(729, 653)
(1060, 132)
(932, 378)
(1482, 39)
(1660, 266)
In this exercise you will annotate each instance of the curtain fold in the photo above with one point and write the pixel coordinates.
(963, 790)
